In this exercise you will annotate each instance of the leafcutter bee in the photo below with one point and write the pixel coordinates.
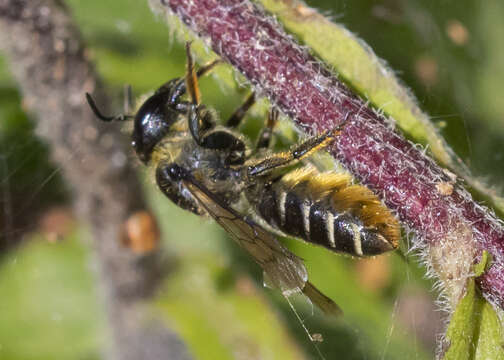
(254, 193)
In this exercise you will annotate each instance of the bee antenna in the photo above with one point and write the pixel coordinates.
(99, 115)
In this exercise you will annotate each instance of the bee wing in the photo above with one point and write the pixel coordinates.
(282, 268)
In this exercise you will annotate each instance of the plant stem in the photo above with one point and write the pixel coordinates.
(451, 228)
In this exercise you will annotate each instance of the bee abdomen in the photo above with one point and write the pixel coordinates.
(323, 213)
(334, 232)
(284, 211)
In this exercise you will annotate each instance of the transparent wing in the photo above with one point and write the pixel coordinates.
(282, 268)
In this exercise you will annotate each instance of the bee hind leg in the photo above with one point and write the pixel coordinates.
(285, 158)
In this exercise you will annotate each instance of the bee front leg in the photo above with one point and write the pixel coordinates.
(200, 121)
(179, 86)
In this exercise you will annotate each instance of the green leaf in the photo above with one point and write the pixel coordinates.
(220, 315)
(49, 307)
(474, 332)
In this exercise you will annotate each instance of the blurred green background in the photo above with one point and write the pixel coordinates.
(450, 53)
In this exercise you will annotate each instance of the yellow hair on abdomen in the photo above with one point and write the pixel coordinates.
(345, 197)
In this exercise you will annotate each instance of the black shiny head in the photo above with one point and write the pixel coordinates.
(154, 118)
(152, 122)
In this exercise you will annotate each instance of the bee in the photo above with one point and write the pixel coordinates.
(253, 193)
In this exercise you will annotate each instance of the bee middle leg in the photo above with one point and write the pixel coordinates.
(264, 139)
(238, 115)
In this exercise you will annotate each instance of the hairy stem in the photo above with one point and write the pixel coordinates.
(48, 59)
(452, 229)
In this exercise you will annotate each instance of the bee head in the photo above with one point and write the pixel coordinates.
(153, 120)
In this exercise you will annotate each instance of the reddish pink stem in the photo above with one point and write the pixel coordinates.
(408, 181)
